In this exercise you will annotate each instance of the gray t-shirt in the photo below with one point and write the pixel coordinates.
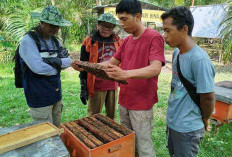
(183, 115)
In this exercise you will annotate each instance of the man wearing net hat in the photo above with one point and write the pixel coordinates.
(97, 49)
(42, 57)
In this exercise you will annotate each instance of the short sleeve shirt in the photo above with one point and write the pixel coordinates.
(140, 94)
(183, 115)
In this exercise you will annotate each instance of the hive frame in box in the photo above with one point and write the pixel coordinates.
(122, 147)
(22, 139)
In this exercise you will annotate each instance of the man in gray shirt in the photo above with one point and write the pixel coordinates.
(41, 62)
(187, 118)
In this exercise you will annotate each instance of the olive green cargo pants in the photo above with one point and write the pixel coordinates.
(95, 103)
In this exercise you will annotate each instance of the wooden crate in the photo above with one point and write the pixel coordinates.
(28, 135)
(122, 147)
(223, 106)
(222, 112)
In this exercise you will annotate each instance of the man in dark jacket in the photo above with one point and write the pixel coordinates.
(41, 63)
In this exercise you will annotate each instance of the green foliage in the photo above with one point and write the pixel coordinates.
(15, 18)
(226, 36)
(178, 2)
(6, 51)
(16, 21)
(80, 15)
(187, 3)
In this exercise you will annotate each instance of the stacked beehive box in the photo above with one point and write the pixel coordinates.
(223, 107)
(98, 136)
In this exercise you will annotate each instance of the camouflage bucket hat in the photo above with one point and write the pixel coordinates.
(50, 14)
(107, 17)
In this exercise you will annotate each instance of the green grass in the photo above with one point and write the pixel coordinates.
(14, 110)
(73, 47)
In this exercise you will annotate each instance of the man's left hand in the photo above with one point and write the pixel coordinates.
(206, 123)
(54, 62)
(116, 73)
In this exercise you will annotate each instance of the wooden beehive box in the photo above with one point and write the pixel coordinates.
(223, 106)
(98, 136)
(26, 136)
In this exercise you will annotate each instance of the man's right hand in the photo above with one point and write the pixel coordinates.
(75, 66)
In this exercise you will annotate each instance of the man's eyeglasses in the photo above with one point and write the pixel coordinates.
(107, 26)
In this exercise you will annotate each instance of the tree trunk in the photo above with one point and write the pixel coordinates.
(192, 3)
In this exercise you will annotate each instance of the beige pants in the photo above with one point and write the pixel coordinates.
(95, 103)
(141, 122)
(50, 113)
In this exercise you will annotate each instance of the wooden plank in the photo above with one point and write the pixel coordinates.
(25, 136)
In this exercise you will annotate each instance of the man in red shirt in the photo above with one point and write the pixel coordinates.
(141, 56)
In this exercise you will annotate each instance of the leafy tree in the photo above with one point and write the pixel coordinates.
(187, 3)
(226, 36)
(79, 13)
(15, 19)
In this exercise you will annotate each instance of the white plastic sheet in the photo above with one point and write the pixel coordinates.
(207, 20)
